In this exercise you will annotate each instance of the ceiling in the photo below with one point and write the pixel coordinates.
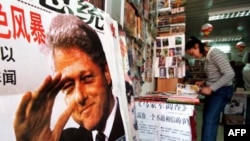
(197, 15)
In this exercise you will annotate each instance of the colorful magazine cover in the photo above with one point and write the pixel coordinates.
(24, 25)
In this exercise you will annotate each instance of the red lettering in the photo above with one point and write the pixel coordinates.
(37, 29)
(19, 25)
(3, 22)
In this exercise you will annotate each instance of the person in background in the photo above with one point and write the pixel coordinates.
(246, 71)
(217, 88)
(82, 75)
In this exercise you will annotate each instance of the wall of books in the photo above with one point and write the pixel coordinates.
(140, 29)
(170, 40)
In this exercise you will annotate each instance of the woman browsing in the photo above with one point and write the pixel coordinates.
(218, 86)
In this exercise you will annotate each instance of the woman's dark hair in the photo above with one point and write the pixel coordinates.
(192, 40)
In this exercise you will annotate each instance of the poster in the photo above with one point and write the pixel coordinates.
(23, 66)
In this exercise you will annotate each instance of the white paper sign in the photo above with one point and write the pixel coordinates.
(160, 121)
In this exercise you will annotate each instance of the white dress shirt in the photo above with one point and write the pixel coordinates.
(109, 122)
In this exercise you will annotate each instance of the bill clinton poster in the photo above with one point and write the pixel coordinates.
(23, 66)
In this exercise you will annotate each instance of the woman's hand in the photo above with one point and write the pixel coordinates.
(205, 90)
(32, 119)
(200, 83)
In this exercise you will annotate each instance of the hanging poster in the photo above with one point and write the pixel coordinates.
(24, 65)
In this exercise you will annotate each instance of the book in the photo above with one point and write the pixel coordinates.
(185, 98)
(187, 89)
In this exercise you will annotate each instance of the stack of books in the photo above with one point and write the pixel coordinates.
(170, 97)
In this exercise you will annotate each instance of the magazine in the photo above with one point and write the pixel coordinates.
(187, 89)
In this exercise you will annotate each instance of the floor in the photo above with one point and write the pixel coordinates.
(220, 134)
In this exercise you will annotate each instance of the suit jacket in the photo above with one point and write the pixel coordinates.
(82, 134)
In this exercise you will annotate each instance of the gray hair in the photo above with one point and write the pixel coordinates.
(67, 30)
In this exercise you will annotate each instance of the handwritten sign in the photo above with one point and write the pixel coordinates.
(163, 121)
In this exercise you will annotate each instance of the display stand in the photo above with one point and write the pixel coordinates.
(160, 118)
